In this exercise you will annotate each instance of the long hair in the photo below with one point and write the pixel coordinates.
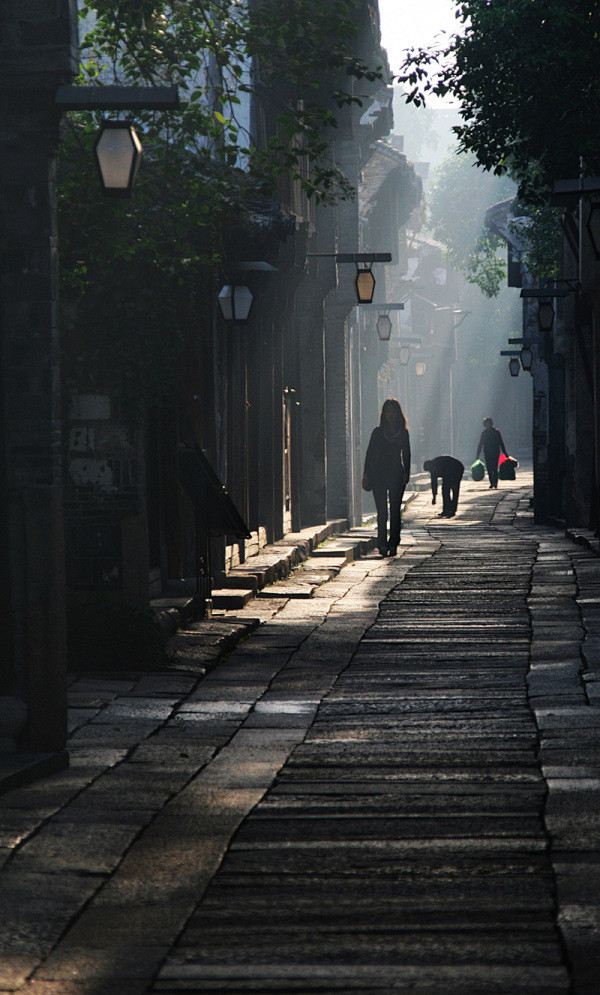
(393, 403)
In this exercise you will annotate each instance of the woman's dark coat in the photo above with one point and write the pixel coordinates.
(387, 462)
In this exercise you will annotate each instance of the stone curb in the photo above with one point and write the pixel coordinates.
(272, 563)
(218, 643)
(584, 537)
(222, 632)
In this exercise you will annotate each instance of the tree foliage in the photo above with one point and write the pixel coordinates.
(527, 76)
(131, 271)
(540, 232)
(459, 198)
(296, 57)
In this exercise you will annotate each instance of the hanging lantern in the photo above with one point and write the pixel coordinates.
(235, 301)
(118, 152)
(420, 367)
(526, 358)
(514, 366)
(545, 316)
(404, 355)
(364, 285)
(384, 327)
(593, 228)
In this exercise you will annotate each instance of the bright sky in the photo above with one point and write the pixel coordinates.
(408, 23)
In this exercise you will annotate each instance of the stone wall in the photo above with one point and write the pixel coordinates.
(37, 53)
(104, 502)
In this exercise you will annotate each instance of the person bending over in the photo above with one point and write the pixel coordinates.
(450, 470)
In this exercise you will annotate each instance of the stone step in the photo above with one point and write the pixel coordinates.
(237, 579)
(331, 550)
(287, 560)
(284, 589)
(232, 598)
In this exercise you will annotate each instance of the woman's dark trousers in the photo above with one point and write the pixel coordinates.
(396, 493)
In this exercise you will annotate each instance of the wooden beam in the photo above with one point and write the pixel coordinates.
(363, 257)
(117, 98)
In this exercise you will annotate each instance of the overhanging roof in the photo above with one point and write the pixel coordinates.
(384, 162)
(501, 219)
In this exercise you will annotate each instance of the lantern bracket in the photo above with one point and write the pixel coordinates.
(546, 292)
(117, 98)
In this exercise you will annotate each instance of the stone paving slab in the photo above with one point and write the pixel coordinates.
(336, 805)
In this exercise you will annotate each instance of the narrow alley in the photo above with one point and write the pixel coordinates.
(390, 786)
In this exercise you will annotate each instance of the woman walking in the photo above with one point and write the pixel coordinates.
(387, 469)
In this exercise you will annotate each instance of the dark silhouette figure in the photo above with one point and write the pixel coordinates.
(387, 469)
(451, 471)
(491, 442)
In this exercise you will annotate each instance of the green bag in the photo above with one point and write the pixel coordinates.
(478, 470)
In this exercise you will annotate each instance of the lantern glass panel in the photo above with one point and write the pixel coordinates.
(364, 284)
(593, 228)
(420, 368)
(526, 358)
(545, 316)
(118, 152)
(404, 355)
(384, 327)
(235, 302)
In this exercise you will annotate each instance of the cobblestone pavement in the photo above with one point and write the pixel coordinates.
(390, 786)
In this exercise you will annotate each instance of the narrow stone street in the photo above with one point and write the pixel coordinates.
(390, 786)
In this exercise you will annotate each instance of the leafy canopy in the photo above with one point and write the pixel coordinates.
(527, 76)
(133, 273)
(295, 58)
(458, 200)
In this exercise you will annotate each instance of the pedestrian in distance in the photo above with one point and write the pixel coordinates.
(386, 473)
(450, 470)
(492, 443)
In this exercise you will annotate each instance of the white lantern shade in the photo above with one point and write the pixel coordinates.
(118, 152)
(404, 355)
(420, 367)
(384, 327)
(235, 301)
